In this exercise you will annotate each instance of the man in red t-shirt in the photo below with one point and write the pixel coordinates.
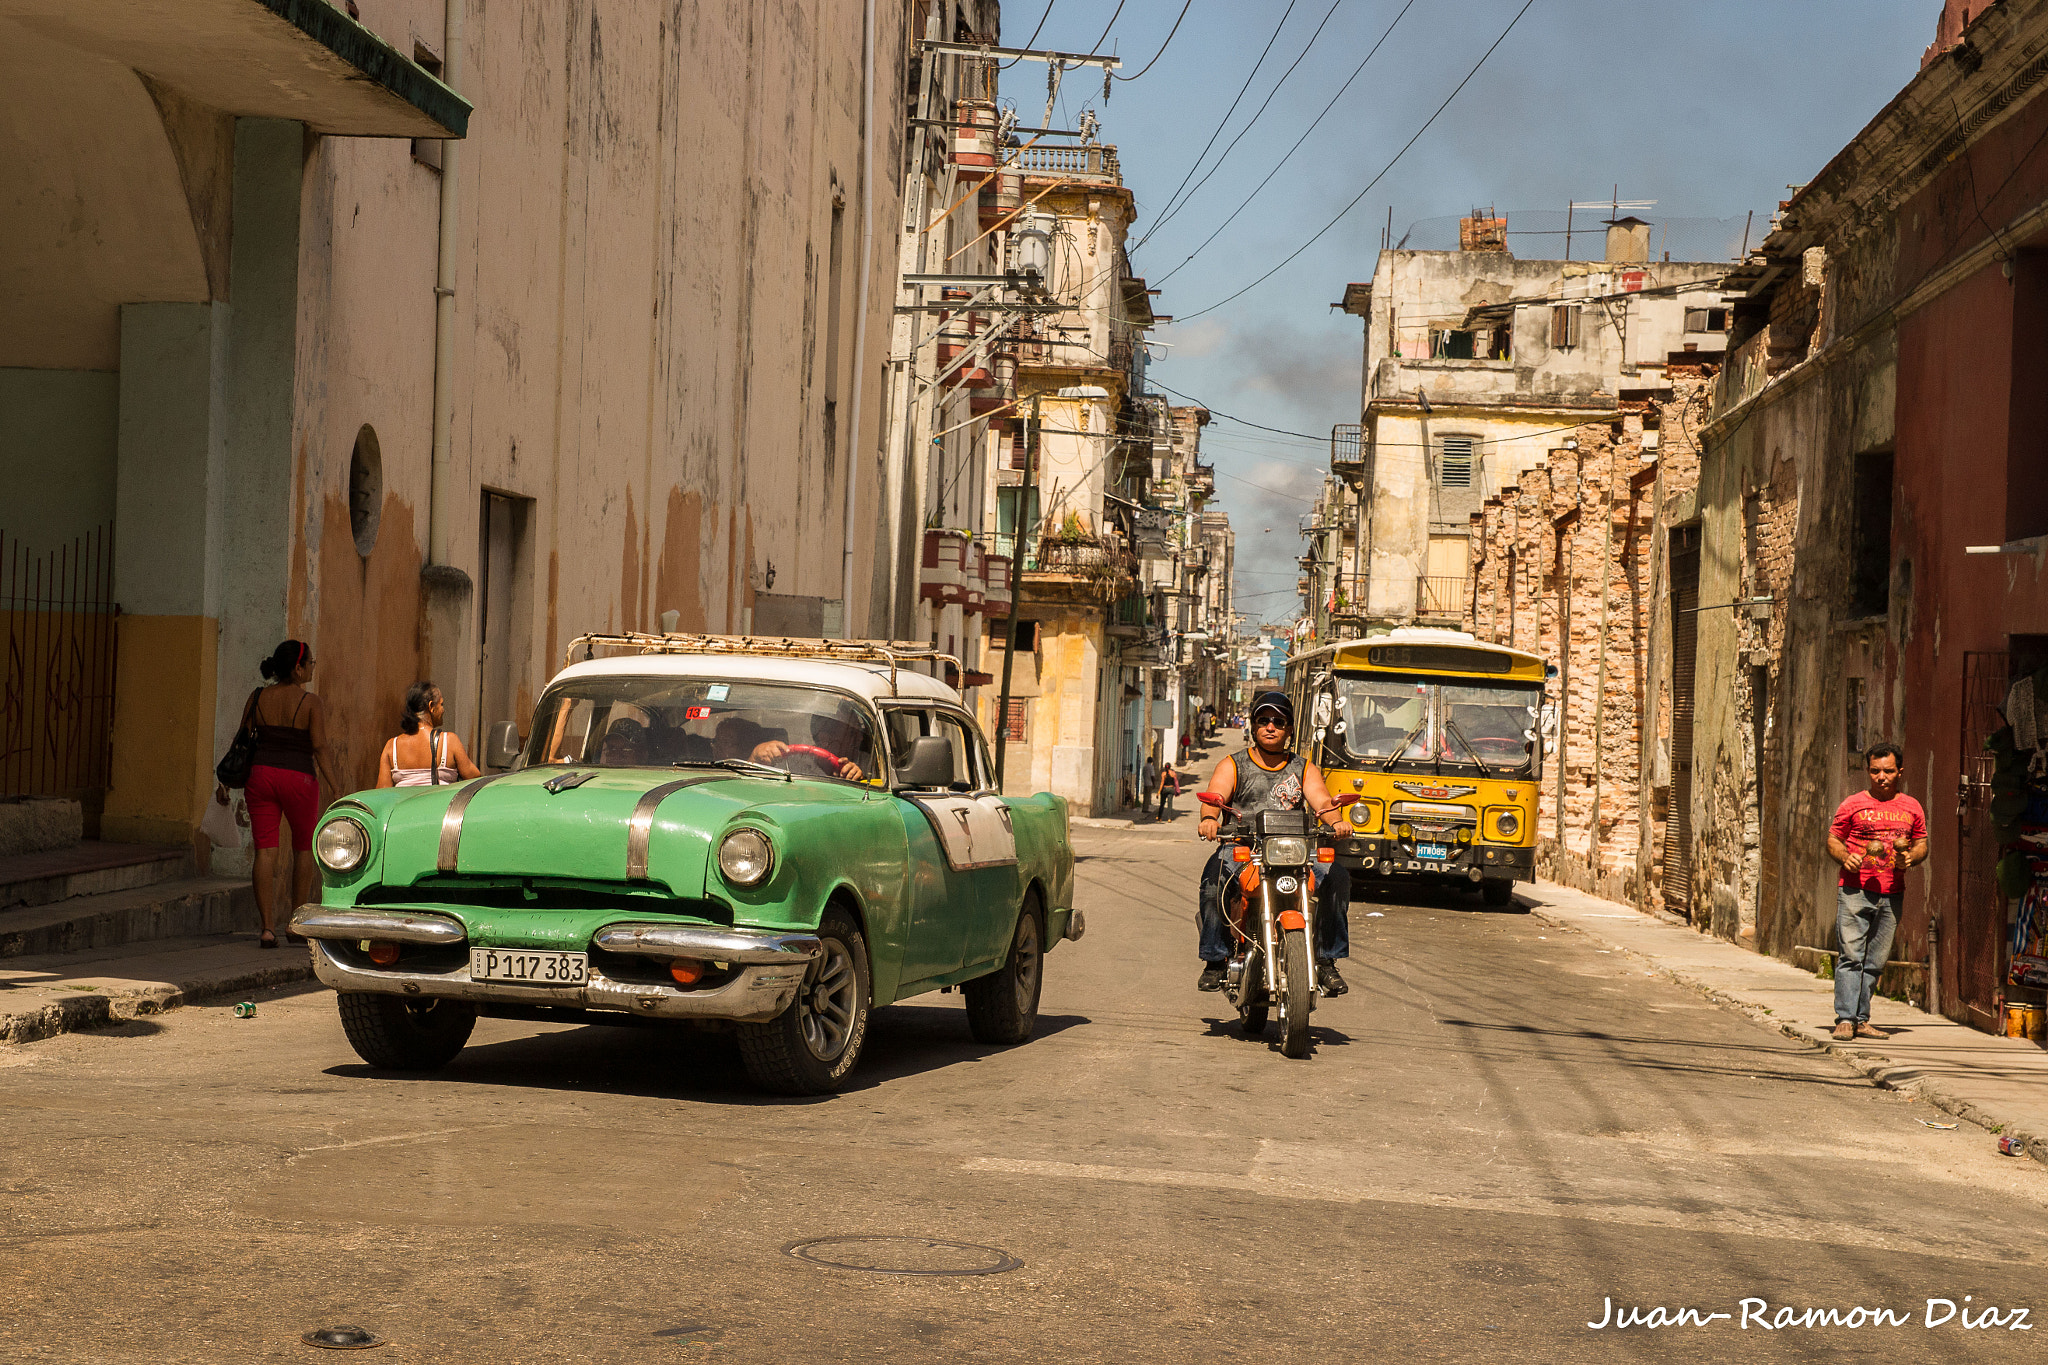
(1875, 835)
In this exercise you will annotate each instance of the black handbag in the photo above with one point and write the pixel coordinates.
(233, 768)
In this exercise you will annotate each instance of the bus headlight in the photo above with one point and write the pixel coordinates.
(1503, 823)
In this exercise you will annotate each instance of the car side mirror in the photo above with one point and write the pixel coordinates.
(502, 749)
(928, 764)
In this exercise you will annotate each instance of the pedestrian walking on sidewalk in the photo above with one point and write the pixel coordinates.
(1169, 787)
(1876, 834)
(412, 759)
(291, 761)
(1150, 790)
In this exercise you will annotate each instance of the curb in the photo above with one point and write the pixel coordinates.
(1880, 1071)
(97, 1009)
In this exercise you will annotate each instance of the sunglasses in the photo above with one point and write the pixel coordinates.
(1277, 722)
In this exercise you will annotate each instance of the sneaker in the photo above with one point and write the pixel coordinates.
(1866, 1029)
(1328, 982)
(1211, 978)
(1844, 1030)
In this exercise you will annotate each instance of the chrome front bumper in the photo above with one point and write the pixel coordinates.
(769, 968)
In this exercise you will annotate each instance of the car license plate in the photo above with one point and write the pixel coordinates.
(529, 968)
(1435, 853)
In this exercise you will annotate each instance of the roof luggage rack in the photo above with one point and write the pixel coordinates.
(895, 653)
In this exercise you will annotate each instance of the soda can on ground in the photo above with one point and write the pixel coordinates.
(245, 1010)
(2011, 1146)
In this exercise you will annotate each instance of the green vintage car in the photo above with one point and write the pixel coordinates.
(770, 839)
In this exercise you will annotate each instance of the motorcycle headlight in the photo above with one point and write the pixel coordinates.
(745, 857)
(341, 845)
(1286, 852)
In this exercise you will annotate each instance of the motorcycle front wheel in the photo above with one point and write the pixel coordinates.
(1298, 986)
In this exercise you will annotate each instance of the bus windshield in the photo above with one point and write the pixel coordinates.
(1409, 723)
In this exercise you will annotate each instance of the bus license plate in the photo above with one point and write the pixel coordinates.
(529, 968)
(1435, 853)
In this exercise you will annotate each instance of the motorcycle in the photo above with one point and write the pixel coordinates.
(1268, 905)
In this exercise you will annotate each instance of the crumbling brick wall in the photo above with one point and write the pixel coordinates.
(1566, 565)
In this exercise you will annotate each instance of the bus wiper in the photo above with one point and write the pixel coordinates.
(1402, 748)
(1451, 729)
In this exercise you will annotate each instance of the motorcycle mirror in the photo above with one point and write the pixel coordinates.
(1348, 798)
(1209, 798)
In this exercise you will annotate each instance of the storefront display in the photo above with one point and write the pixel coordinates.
(2019, 814)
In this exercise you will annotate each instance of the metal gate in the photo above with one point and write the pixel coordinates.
(1977, 942)
(1685, 601)
(57, 688)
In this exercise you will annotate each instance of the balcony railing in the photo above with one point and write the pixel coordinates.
(1347, 446)
(1080, 557)
(1441, 597)
(1067, 161)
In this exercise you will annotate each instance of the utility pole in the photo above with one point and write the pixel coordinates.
(1025, 521)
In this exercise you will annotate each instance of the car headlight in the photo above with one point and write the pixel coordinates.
(1286, 852)
(341, 845)
(745, 857)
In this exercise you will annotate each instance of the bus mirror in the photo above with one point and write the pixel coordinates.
(1550, 670)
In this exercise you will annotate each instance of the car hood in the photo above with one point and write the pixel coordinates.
(514, 825)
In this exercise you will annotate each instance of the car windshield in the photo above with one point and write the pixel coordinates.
(692, 722)
(1382, 720)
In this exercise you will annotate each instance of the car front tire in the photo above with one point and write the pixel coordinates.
(811, 1047)
(1002, 1007)
(397, 1034)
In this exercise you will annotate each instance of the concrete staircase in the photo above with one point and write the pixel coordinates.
(96, 934)
(97, 895)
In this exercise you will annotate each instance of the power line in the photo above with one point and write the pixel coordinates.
(1376, 179)
(1162, 47)
(1171, 198)
(1034, 33)
(1108, 26)
(1249, 124)
(1256, 189)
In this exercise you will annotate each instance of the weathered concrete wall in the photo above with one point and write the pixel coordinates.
(647, 213)
(57, 453)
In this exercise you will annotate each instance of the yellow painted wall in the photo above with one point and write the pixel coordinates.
(163, 729)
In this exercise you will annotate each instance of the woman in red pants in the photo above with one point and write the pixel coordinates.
(284, 782)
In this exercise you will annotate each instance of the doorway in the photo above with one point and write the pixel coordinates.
(505, 616)
(1685, 601)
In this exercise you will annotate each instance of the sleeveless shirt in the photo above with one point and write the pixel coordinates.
(1267, 789)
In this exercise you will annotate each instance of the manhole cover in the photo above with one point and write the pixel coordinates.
(903, 1255)
(342, 1338)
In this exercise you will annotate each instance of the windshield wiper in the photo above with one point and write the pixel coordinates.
(1451, 729)
(1401, 749)
(747, 765)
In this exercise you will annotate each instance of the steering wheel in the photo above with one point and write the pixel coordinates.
(822, 755)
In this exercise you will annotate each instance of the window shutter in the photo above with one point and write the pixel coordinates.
(1454, 461)
(1564, 325)
(1696, 320)
(1015, 720)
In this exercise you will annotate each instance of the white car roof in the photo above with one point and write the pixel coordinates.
(869, 680)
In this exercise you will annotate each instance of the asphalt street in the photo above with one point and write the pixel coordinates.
(1502, 1130)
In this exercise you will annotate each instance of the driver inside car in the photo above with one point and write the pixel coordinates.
(1268, 775)
(844, 740)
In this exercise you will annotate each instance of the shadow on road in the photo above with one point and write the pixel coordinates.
(674, 1062)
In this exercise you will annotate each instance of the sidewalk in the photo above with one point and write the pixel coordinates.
(2000, 1084)
(45, 994)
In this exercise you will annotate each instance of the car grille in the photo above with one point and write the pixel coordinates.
(503, 893)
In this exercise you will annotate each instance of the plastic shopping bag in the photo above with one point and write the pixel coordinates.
(226, 824)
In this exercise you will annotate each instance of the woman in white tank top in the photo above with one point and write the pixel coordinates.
(424, 755)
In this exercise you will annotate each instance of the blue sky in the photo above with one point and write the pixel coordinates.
(1711, 108)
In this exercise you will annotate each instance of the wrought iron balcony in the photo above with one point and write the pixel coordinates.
(1441, 598)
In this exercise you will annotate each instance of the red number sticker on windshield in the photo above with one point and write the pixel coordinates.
(697, 713)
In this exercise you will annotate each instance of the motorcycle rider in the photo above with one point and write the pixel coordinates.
(1268, 775)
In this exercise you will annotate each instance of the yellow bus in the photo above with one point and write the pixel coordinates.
(1439, 735)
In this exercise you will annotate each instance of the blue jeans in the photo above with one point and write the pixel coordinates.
(1333, 908)
(1865, 921)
